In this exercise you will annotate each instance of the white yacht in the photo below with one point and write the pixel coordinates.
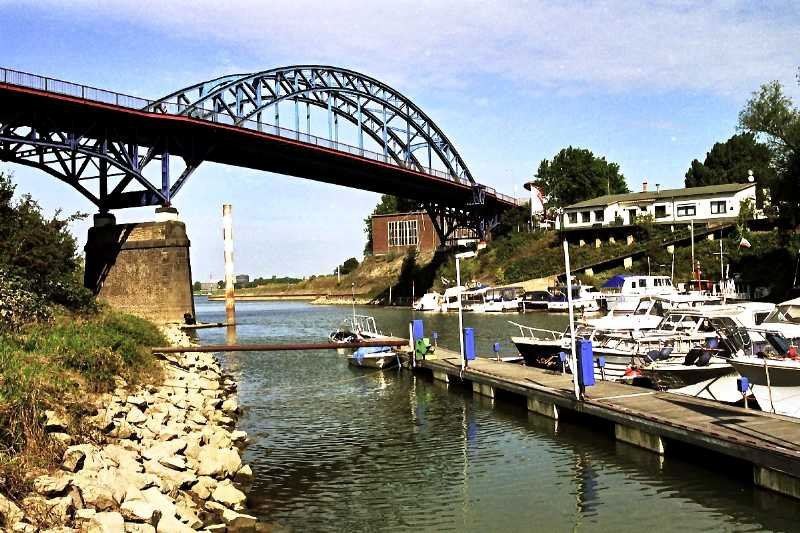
(503, 299)
(450, 298)
(585, 299)
(474, 300)
(785, 318)
(623, 292)
(431, 301)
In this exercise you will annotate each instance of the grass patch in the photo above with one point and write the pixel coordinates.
(53, 366)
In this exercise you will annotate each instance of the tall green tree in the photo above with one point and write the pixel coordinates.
(576, 174)
(730, 161)
(387, 205)
(772, 115)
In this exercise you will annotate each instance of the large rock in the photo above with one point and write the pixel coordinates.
(54, 510)
(229, 496)
(136, 527)
(74, 457)
(204, 487)
(136, 416)
(238, 522)
(165, 449)
(230, 406)
(170, 524)
(218, 463)
(10, 513)
(106, 523)
(244, 475)
(55, 422)
(161, 502)
(140, 511)
(95, 494)
(175, 462)
(51, 485)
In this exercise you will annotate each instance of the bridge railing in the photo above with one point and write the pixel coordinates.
(86, 92)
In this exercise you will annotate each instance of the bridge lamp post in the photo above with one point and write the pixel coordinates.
(459, 257)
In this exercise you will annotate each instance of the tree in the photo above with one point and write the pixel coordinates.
(388, 204)
(576, 174)
(729, 162)
(197, 287)
(772, 115)
(40, 250)
(348, 266)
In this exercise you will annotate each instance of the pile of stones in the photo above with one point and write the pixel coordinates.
(167, 460)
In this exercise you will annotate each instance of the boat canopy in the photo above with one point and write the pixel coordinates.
(615, 282)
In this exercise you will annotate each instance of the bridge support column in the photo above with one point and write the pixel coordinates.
(141, 268)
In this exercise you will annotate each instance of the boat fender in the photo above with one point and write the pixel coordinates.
(703, 359)
(652, 356)
(691, 357)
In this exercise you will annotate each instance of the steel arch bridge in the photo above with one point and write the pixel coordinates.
(122, 151)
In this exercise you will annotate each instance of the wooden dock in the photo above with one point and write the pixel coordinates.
(645, 418)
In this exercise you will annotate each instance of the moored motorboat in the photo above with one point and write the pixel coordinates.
(533, 301)
(374, 357)
(431, 301)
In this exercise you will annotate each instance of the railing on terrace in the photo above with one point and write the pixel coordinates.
(93, 94)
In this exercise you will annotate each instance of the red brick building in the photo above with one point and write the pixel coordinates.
(398, 232)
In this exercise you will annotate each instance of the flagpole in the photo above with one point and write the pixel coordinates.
(573, 363)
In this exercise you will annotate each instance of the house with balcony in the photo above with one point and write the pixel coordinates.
(712, 203)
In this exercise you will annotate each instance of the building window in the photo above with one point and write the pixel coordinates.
(718, 207)
(403, 233)
(599, 215)
(687, 210)
(661, 211)
(586, 217)
(572, 218)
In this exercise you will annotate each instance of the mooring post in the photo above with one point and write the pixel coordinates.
(230, 298)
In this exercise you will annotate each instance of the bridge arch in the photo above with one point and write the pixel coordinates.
(398, 126)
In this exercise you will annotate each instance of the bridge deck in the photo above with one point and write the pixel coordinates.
(765, 440)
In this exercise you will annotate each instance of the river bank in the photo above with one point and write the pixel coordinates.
(154, 457)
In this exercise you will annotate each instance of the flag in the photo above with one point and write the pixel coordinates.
(744, 243)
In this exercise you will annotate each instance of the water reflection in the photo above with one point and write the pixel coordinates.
(337, 448)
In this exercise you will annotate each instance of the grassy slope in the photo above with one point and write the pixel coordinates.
(54, 366)
(372, 278)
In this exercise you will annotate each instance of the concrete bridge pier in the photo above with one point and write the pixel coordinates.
(142, 268)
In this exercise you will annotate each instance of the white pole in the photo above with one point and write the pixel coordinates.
(460, 317)
(574, 358)
(354, 303)
(338, 274)
(691, 228)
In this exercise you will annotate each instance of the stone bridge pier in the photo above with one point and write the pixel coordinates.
(142, 268)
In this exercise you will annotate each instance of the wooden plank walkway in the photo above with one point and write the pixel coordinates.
(647, 418)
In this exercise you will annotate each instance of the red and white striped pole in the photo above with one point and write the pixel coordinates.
(227, 234)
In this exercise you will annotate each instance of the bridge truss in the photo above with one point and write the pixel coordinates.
(116, 167)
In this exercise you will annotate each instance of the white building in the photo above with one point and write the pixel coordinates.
(700, 204)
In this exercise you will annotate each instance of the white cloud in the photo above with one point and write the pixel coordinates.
(724, 47)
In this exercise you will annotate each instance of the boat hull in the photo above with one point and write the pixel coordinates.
(539, 353)
(716, 381)
(783, 394)
(377, 361)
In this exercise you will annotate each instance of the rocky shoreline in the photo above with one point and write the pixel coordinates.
(158, 458)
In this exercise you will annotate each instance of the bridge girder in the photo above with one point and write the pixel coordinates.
(116, 167)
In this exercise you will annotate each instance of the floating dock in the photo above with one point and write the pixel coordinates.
(642, 417)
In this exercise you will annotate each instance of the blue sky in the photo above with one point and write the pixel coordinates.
(649, 85)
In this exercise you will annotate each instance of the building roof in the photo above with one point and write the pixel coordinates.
(664, 193)
(405, 214)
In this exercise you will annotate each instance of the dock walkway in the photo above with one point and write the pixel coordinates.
(646, 418)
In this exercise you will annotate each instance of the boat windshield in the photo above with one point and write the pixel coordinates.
(678, 322)
(786, 313)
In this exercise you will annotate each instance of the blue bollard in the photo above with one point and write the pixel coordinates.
(417, 329)
(469, 344)
(496, 349)
(435, 337)
(585, 363)
(601, 364)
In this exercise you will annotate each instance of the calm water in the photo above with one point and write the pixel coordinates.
(341, 449)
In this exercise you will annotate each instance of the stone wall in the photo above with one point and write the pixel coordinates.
(142, 268)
